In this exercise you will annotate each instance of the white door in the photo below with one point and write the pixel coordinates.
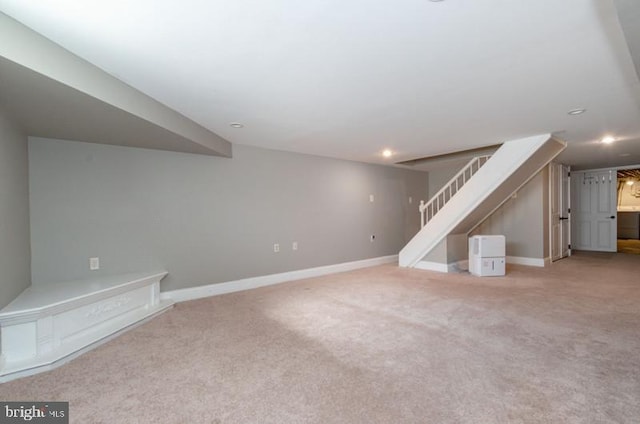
(594, 210)
(559, 202)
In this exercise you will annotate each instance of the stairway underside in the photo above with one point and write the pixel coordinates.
(512, 165)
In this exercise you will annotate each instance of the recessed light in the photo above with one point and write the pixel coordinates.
(629, 182)
(577, 111)
(607, 140)
(236, 125)
(387, 153)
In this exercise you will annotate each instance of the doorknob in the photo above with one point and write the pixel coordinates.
(562, 218)
(612, 217)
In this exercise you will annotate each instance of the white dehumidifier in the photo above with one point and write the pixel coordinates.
(487, 256)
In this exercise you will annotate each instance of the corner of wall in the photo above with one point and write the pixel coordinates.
(15, 244)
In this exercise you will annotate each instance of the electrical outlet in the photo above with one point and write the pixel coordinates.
(94, 264)
(276, 248)
(294, 245)
(410, 200)
(371, 198)
(372, 238)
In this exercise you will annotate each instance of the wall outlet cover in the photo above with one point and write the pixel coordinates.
(94, 264)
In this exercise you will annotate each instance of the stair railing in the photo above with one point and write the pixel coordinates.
(429, 209)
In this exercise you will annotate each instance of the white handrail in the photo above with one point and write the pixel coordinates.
(437, 201)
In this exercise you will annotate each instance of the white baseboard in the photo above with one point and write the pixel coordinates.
(458, 266)
(47, 366)
(520, 260)
(463, 265)
(199, 292)
(432, 266)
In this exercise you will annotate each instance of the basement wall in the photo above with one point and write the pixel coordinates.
(627, 200)
(522, 219)
(15, 255)
(208, 219)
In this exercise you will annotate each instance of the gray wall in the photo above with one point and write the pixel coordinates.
(450, 250)
(15, 255)
(523, 220)
(208, 219)
(438, 254)
(438, 177)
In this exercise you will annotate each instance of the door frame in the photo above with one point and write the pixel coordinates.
(563, 193)
(622, 168)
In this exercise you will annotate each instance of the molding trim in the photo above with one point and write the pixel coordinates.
(48, 366)
(463, 265)
(29, 306)
(198, 292)
(520, 260)
(432, 266)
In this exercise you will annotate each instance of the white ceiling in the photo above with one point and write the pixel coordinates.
(349, 78)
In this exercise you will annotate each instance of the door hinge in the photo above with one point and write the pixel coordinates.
(569, 210)
(568, 174)
(569, 247)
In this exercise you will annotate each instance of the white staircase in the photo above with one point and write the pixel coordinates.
(465, 202)
(438, 200)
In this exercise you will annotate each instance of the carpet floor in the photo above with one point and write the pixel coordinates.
(558, 344)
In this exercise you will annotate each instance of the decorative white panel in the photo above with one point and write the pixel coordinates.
(44, 325)
(19, 342)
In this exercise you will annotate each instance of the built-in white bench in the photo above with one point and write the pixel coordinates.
(47, 326)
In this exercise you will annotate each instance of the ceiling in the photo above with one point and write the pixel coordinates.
(629, 174)
(350, 78)
(47, 108)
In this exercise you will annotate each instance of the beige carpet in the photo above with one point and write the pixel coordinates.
(380, 345)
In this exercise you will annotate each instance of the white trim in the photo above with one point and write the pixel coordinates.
(199, 292)
(458, 266)
(35, 302)
(520, 260)
(47, 366)
(432, 266)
